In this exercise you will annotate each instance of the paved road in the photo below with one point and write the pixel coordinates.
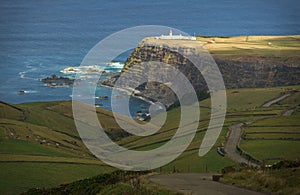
(235, 133)
(198, 183)
(290, 111)
(269, 103)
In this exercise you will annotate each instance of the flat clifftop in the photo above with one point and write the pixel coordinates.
(277, 46)
(171, 43)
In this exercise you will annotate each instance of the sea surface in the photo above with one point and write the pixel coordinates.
(40, 38)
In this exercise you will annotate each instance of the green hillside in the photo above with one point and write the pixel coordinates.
(40, 147)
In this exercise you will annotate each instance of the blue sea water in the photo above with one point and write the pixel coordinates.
(40, 38)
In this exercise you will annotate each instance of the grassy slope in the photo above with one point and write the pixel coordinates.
(37, 144)
(117, 182)
(242, 107)
(18, 177)
(24, 152)
(281, 181)
(275, 138)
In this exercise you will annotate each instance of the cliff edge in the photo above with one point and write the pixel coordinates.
(248, 61)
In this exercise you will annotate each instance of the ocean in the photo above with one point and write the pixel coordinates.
(40, 38)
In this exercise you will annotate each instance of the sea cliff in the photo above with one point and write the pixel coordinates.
(244, 62)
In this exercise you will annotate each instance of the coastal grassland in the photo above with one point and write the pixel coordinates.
(251, 98)
(35, 153)
(11, 111)
(290, 101)
(39, 113)
(117, 182)
(39, 141)
(261, 129)
(15, 146)
(280, 121)
(270, 150)
(275, 138)
(17, 177)
(40, 137)
(283, 46)
(275, 181)
(242, 107)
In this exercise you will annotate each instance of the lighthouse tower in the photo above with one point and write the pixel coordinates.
(171, 33)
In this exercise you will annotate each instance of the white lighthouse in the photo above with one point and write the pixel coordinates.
(171, 33)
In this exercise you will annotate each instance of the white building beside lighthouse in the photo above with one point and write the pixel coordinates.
(176, 37)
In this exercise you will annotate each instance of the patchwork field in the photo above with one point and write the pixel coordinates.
(275, 138)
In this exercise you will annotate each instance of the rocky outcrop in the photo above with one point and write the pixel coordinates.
(57, 81)
(238, 72)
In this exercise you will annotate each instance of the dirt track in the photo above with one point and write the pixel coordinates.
(198, 183)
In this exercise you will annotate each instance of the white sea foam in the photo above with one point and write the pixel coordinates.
(30, 91)
(94, 69)
(115, 65)
(23, 74)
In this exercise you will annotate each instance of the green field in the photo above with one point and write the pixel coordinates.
(278, 181)
(272, 149)
(287, 46)
(40, 147)
(276, 137)
(17, 177)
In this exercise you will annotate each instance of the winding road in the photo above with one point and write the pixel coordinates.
(233, 141)
(235, 133)
(201, 183)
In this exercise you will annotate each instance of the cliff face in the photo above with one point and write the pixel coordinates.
(154, 90)
(259, 71)
(238, 72)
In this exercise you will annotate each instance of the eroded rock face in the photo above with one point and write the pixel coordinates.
(259, 71)
(154, 90)
(238, 72)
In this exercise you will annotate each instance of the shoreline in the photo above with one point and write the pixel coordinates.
(128, 92)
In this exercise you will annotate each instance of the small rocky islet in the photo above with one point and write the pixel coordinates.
(58, 81)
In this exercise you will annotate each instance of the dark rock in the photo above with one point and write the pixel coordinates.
(21, 92)
(55, 80)
(105, 97)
